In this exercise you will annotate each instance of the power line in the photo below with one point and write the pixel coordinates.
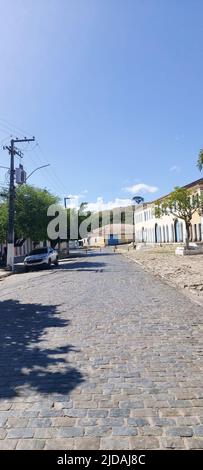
(5, 128)
(47, 173)
(50, 176)
(59, 181)
(55, 180)
(13, 126)
(5, 139)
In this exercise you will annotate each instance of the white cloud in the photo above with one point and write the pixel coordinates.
(100, 205)
(140, 188)
(74, 201)
(175, 168)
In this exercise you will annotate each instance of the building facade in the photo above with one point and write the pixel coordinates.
(167, 229)
(110, 235)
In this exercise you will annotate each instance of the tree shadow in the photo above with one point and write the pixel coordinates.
(25, 364)
(82, 266)
(91, 255)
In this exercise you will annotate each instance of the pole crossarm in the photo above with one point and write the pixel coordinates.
(24, 140)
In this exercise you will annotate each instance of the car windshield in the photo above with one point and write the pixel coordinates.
(39, 251)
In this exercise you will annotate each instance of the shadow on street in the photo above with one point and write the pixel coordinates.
(24, 363)
(82, 266)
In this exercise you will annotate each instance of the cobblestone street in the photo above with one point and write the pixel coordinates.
(99, 354)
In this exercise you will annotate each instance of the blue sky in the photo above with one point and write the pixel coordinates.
(112, 90)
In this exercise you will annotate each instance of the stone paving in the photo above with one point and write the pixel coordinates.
(99, 354)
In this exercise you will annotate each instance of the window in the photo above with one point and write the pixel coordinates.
(181, 231)
(195, 232)
(38, 251)
(164, 234)
(172, 233)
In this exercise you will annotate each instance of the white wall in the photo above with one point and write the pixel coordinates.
(145, 223)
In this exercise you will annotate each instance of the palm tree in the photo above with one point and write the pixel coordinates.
(200, 160)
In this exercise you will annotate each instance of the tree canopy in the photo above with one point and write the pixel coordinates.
(31, 218)
(3, 221)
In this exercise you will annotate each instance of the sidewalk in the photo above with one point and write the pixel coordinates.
(19, 267)
(184, 272)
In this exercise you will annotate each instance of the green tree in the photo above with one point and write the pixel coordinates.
(3, 221)
(31, 206)
(31, 219)
(181, 203)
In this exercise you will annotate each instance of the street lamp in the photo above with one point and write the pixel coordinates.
(33, 171)
(38, 168)
(65, 203)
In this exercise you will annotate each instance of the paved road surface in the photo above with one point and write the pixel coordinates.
(99, 354)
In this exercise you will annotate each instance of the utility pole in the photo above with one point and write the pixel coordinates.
(10, 239)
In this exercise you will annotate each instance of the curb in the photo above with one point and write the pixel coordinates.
(3, 276)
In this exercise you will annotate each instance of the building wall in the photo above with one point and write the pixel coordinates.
(115, 233)
(94, 241)
(166, 229)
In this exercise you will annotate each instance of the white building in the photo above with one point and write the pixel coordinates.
(167, 229)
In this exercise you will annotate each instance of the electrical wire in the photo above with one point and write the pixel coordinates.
(13, 126)
(55, 175)
(45, 171)
(51, 175)
(3, 141)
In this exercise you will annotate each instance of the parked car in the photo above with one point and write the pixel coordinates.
(41, 257)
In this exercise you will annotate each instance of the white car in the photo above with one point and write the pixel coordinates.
(41, 257)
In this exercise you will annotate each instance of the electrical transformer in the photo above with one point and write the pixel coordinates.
(20, 175)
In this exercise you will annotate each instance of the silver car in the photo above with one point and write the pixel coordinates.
(41, 257)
